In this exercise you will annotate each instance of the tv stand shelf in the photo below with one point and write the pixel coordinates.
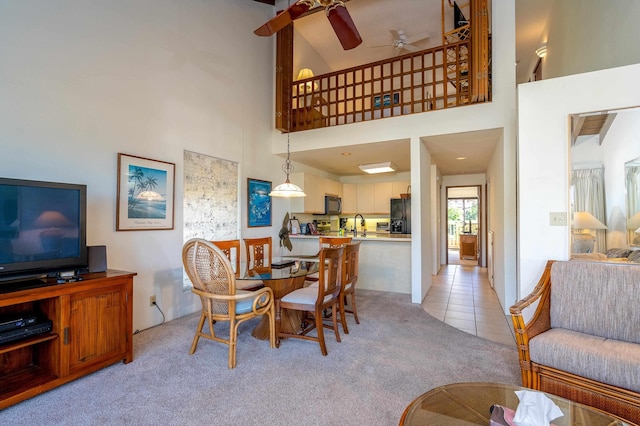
(92, 327)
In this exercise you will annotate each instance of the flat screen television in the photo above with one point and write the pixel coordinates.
(42, 228)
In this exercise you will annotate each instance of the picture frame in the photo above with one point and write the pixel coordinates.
(294, 226)
(258, 203)
(386, 100)
(146, 194)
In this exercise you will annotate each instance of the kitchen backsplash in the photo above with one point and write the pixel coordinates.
(371, 221)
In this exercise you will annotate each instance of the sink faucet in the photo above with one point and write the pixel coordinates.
(355, 226)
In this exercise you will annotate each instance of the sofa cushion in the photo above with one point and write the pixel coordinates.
(596, 298)
(618, 252)
(634, 256)
(604, 360)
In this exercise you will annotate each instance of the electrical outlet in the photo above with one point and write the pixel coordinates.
(152, 300)
(558, 219)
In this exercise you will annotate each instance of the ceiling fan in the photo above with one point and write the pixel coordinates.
(336, 12)
(402, 41)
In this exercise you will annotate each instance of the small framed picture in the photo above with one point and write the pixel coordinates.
(146, 191)
(294, 224)
(258, 203)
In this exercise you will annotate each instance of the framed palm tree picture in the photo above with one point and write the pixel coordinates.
(146, 192)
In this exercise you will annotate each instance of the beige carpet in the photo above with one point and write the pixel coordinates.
(397, 353)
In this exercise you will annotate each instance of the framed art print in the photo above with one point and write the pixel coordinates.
(146, 192)
(258, 203)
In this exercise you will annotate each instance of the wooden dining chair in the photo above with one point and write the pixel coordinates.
(259, 253)
(314, 300)
(331, 242)
(213, 280)
(231, 248)
(349, 280)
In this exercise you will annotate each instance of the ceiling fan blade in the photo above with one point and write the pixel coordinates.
(343, 25)
(418, 37)
(410, 48)
(284, 18)
(395, 34)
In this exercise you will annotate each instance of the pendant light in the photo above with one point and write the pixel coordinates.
(287, 189)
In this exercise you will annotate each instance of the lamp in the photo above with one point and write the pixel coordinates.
(633, 225)
(542, 50)
(287, 189)
(583, 241)
(304, 74)
(383, 167)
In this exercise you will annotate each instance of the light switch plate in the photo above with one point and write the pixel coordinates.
(558, 219)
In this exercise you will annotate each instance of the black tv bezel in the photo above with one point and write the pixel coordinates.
(19, 271)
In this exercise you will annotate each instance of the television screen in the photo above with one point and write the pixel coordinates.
(42, 227)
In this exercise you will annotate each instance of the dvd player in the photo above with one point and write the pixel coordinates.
(26, 331)
(12, 323)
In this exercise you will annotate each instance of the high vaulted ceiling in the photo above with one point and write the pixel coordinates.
(374, 20)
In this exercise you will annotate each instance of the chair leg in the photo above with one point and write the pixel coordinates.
(335, 322)
(278, 322)
(343, 316)
(320, 327)
(355, 311)
(194, 344)
(233, 335)
(272, 325)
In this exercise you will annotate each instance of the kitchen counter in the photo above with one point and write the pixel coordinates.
(385, 259)
(379, 236)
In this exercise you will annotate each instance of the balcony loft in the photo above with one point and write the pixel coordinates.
(457, 73)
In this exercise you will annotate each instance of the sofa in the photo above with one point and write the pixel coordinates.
(580, 337)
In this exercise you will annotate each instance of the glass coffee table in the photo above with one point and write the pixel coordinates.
(469, 404)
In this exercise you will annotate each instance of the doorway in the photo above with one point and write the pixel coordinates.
(463, 225)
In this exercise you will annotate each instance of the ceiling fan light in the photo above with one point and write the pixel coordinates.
(542, 50)
(384, 167)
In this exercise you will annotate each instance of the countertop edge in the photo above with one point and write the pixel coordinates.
(371, 237)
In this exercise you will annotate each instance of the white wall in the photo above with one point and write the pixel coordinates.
(543, 152)
(82, 81)
(589, 35)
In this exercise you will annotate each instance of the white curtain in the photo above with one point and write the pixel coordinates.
(588, 190)
(633, 189)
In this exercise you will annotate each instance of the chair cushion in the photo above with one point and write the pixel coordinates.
(304, 296)
(243, 284)
(245, 305)
(604, 360)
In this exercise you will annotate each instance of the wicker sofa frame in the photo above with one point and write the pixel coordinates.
(620, 402)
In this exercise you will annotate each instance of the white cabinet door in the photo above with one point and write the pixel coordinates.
(349, 198)
(382, 197)
(366, 198)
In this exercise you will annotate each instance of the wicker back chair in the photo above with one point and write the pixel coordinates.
(213, 281)
(259, 253)
(349, 280)
(314, 300)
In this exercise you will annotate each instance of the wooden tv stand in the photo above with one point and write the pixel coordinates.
(92, 328)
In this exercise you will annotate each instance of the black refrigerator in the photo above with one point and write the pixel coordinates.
(400, 216)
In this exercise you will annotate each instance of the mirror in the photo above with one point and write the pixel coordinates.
(632, 182)
(604, 180)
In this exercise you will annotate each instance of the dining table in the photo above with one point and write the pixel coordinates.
(282, 277)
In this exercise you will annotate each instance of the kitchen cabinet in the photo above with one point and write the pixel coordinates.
(92, 322)
(365, 197)
(316, 188)
(382, 192)
(349, 198)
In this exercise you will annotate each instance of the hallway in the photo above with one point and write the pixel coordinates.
(462, 297)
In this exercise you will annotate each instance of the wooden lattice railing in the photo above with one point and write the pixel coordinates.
(421, 81)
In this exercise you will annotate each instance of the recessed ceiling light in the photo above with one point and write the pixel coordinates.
(461, 158)
(345, 154)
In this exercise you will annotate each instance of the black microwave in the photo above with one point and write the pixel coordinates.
(332, 204)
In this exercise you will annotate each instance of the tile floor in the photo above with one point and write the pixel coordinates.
(462, 297)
